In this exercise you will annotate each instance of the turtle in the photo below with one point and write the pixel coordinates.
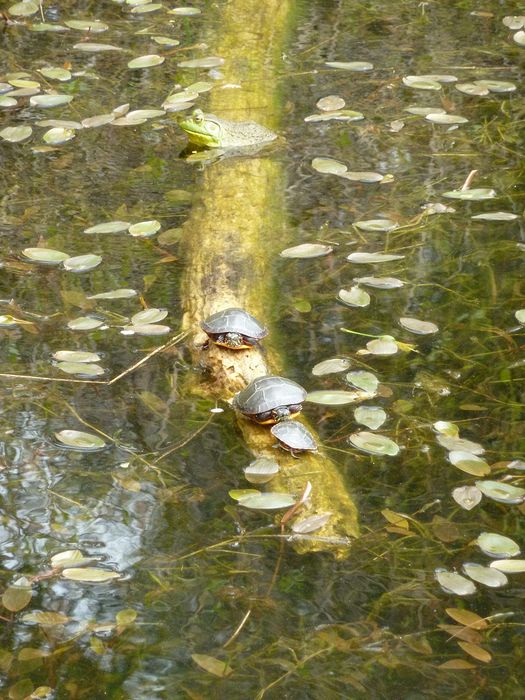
(269, 399)
(233, 328)
(294, 437)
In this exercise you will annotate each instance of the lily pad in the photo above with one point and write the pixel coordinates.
(446, 119)
(165, 41)
(206, 62)
(109, 227)
(210, 664)
(311, 523)
(271, 500)
(151, 315)
(93, 26)
(78, 440)
(58, 135)
(467, 497)
(485, 575)
(115, 294)
(519, 38)
(89, 575)
(385, 345)
(509, 566)
(46, 101)
(70, 558)
(476, 194)
(92, 47)
(454, 583)
(75, 356)
(367, 176)
(82, 263)
(495, 216)
(520, 316)
(372, 417)
(472, 89)
(23, 9)
(146, 61)
(330, 103)
(469, 463)
(18, 595)
(144, 229)
(146, 329)
(331, 366)
(261, 470)
(47, 256)
(383, 225)
(84, 323)
(340, 115)
(81, 369)
(514, 21)
(15, 134)
(374, 444)
(329, 166)
(497, 85)
(497, 546)
(185, 11)
(59, 123)
(47, 27)
(334, 397)
(97, 120)
(357, 66)
(501, 492)
(451, 442)
(418, 327)
(46, 619)
(362, 379)
(60, 74)
(423, 111)
(371, 258)
(146, 8)
(6, 101)
(306, 250)
(355, 297)
(380, 282)
(8, 321)
(419, 82)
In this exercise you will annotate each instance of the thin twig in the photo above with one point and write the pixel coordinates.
(238, 630)
(466, 185)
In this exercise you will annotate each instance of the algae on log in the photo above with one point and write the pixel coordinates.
(230, 243)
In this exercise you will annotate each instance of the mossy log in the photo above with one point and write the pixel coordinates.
(231, 240)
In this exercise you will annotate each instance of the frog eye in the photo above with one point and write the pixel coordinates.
(198, 116)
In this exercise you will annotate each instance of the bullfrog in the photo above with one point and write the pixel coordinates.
(213, 132)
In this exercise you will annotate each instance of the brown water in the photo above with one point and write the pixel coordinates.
(192, 562)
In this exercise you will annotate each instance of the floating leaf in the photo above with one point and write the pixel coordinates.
(423, 111)
(60, 123)
(496, 85)
(497, 546)
(501, 492)
(475, 194)
(144, 229)
(151, 315)
(93, 26)
(472, 89)
(165, 41)
(380, 282)
(364, 380)
(46, 619)
(147, 7)
(185, 11)
(397, 519)
(146, 329)
(89, 575)
(357, 66)
(306, 250)
(126, 617)
(495, 216)
(414, 325)
(363, 258)
(329, 166)
(18, 595)
(82, 263)
(84, 323)
(91, 47)
(438, 77)
(520, 316)
(206, 62)
(519, 38)
(334, 397)
(78, 440)
(385, 345)
(484, 575)
(15, 134)
(237, 494)
(509, 566)
(449, 442)
(271, 500)
(58, 135)
(383, 225)
(61, 74)
(98, 120)
(469, 463)
(81, 369)
(456, 665)
(476, 652)
(212, 665)
(47, 256)
(261, 470)
(467, 618)
(23, 9)
(129, 121)
(145, 113)
(342, 115)
(7, 101)
(355, 297)
(514, 21)
(146, 61)
(179, 98)
(454, 583)
(331, 366)
(374, 444)
(75, 356)
(109, 227)
(421, 83)
(372, 417)
(115, 294)
(8, 321)
(47, 27)
(69, 559)
(446, 119)
(330, 103)
(311, 523)
(363, 176)
(46, 101)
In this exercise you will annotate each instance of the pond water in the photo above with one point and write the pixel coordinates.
(207, 604)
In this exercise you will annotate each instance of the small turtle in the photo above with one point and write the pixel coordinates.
(270, 399)
(233, 328)
(294, 437)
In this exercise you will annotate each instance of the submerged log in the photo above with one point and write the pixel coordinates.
(231, 240)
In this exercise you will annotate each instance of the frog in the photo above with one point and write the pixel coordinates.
(211, 131)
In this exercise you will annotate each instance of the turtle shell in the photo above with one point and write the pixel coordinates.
(293, 435)
(234, 320)
(267, 393)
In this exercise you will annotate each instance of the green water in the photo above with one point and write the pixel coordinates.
(192, 563)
